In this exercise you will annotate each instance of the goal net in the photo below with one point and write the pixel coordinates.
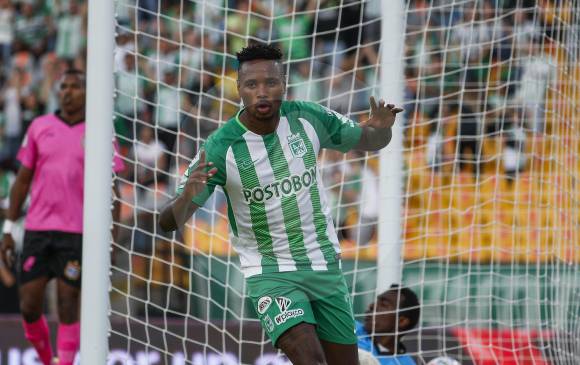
(489, 205)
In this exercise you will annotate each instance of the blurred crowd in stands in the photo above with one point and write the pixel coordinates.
(475, 72)
(480, 71)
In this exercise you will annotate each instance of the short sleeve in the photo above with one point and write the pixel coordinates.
(28, 152)
(210, 155)
(334, 130)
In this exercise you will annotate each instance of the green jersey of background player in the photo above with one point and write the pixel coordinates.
(265, 159)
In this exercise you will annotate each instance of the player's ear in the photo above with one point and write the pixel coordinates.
(404, 323)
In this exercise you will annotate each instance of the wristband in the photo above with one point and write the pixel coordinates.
(7, 228)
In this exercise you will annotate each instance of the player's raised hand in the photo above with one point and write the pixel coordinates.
(7, 249)
(199, 177)
(382, 115)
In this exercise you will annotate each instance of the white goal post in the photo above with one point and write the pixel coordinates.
(97, 194)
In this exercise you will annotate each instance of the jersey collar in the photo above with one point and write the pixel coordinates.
(242, 124)
(239, 121)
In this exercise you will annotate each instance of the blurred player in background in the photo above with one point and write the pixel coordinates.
(52, 169)
(388, 319)
(265, 159)
(7, 279)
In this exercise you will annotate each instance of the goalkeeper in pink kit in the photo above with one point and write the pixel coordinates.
(52, 169)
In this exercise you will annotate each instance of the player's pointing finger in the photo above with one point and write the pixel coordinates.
(373, 103)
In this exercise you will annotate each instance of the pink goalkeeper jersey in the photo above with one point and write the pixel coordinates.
(55, 151)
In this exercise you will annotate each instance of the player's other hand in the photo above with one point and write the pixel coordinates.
(7, 250)
(199, 177)
(382, 115)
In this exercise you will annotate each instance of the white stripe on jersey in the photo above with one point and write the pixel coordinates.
(276, 224)
(297, 167)
(330, 230)
(245, 243)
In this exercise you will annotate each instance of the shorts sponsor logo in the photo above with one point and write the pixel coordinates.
(264, 304)
(268, 323)
(29, 263)
(283, 303)
(72, 271)
(284, 316)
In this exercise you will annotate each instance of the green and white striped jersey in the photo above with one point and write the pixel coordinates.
(278, 213)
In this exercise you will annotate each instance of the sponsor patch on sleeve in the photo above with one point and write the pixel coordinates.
(263, 304)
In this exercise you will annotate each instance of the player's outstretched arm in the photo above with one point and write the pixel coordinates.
(376, 132)
(18, 195)
(180, 208)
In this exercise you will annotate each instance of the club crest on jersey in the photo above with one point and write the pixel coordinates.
(297, 145)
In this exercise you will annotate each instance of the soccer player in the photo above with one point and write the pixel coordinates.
(52, 168)
(388, 319)
(265, 159)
